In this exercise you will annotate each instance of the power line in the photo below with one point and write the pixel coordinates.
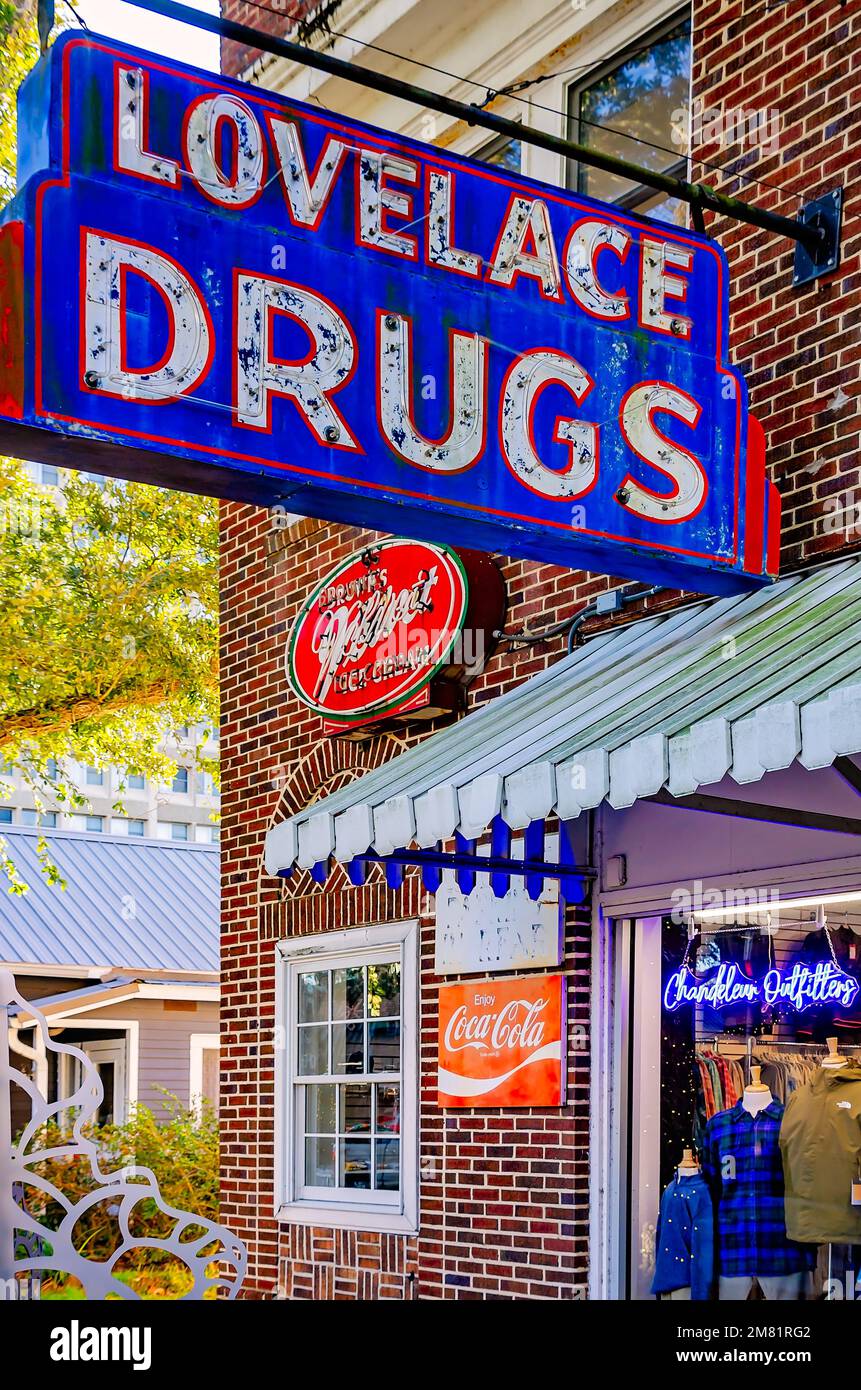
(816, 238)
(515, 87)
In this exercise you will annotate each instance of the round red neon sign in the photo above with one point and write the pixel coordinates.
(371, 637)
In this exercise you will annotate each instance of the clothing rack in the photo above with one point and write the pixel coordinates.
(749, 1044)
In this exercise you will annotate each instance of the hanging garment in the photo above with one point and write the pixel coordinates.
(773, 1075)
(820, 1140)
(707, 1087)
(684, 1243)
(742, 1165)
(730, 1095)
(839, 944)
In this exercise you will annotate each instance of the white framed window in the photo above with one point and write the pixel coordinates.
(347, 1078)
(635, 106)
(204, 1057)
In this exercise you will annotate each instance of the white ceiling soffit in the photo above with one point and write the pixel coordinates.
(740, 685)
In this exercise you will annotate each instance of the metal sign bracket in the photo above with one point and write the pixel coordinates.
(825, 216)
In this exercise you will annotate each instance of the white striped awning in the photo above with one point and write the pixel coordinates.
(667, 704)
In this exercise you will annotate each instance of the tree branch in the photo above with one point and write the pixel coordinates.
(45, 719)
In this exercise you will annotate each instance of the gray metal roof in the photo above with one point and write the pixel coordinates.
(739, 686)
(129, 903)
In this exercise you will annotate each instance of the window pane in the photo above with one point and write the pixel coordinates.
(642, 97)
(384, 1046)
(178, 830)
(320, 1162)
(664, 209)
(348, 992)
(388, 1159)
(313, 996)
(384, 989)
(348, 1047)
(320, 1109)
(355, 1109)
(355, 1162)
(388, 1109)
(504, 153)
(312, 1051)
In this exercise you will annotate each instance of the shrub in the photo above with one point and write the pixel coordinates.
(182, 1152)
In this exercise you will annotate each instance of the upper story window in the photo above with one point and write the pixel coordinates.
(504, 152)
(642, 92)
(95, 777)
(348, 1087)
(180, 780)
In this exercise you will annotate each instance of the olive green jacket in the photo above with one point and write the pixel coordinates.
(820, 1140)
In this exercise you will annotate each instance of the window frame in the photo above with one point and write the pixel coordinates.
(361, 1208)
(199, 1043)
(499, 142)
(180, 775)
(643, 192)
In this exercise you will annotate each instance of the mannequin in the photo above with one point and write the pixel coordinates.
(684, 1237)
(820, 1139)
(756, 1094)
(743, 1168)
(832, 1060)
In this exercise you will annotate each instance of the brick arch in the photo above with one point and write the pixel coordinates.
(330, 766)
(326, 769)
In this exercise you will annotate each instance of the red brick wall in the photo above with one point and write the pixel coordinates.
(504, 1196)
(504, 1202)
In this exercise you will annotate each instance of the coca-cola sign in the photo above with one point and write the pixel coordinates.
(501, 1043)
(385, 634)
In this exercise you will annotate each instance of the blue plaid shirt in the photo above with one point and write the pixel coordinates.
(742, 1165)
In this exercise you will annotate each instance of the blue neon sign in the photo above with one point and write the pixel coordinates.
(803, 987)
(208, 286)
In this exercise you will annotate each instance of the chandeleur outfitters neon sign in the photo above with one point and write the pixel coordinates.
(802, 988)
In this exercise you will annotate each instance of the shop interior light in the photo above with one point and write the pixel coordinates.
(775, 906)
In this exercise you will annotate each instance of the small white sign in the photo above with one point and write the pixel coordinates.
(483, 932)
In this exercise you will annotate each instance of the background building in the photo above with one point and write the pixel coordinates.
(181, 809)
(124, 963)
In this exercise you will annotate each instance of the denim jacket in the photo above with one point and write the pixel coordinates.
(684, 1245)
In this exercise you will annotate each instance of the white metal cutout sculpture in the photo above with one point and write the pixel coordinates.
(28, 1248)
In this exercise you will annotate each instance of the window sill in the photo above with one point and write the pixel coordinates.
(347, 1219)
